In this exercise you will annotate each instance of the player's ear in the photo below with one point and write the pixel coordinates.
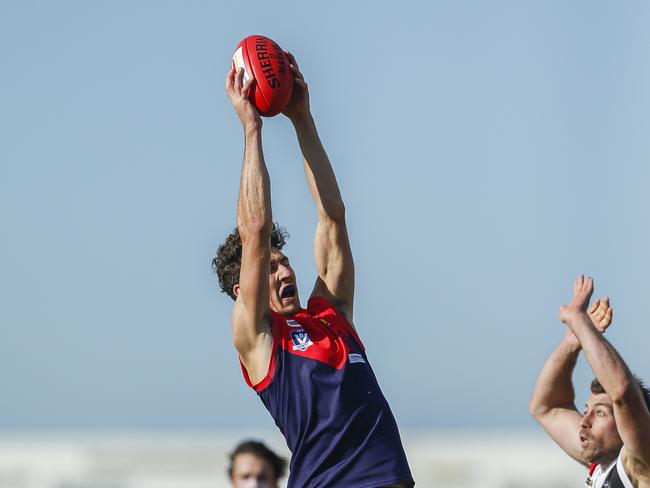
(235, 290)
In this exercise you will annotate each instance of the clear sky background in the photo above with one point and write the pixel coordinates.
(487, 152)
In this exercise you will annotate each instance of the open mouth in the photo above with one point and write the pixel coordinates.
(288, 291)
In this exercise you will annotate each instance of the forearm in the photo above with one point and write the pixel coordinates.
(254, 204)
(608, 366)
(320, 175)
(554, 387)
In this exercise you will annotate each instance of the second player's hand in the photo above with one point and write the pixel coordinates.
(582, 290)
(601, 313)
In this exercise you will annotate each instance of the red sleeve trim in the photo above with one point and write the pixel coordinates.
(270, 373)
(327, 305)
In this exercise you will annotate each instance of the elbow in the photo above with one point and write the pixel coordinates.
(537, 409)
(623, 392)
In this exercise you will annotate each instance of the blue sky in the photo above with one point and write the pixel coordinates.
(488, 152)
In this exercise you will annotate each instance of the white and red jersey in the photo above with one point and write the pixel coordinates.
(611, 476)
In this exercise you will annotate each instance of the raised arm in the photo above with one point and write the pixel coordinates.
(553, 401)
(251, 317)
(332, 251)
(630, 411)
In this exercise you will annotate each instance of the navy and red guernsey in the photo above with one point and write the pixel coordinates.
(324, 397)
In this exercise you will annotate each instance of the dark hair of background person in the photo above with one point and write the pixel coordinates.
(279, 464)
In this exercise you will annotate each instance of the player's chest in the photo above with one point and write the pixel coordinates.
(320, 339)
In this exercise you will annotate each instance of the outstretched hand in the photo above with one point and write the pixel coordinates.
(298, 105)
(600, 311)
(237, 92)
(583, 287)
(601, 314)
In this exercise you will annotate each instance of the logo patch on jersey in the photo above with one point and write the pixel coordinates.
(356, 358)
(293, 323)
(301, 340)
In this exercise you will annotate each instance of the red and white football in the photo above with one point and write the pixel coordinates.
(265, 61)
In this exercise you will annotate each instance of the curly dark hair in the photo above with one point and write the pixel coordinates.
(279, 464)
(597, 388)
(227, 262)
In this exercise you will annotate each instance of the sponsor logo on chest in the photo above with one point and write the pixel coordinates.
(301, 340)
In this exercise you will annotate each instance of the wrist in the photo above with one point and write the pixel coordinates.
(571, 343)
(579, 324)
(302, 120)
(252, 128)
(571, 314)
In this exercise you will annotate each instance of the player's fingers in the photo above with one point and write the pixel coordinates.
(247, 86)
(238, 82)
(603, 323)
(602, 306)
(230, 77)
(586, 285)
(594, 306)
(300, 82)
(605, 318)
(604, 310)
(609, 316)
(296, 72)
(576, 285)
(292, 59)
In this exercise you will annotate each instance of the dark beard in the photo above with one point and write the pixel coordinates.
(600, 455)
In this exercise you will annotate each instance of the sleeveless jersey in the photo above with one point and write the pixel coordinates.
(324, 397)
(612, 476)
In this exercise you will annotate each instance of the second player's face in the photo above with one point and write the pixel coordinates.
(599, 438)
(283, 291)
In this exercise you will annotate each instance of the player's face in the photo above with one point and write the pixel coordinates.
(283, 296)
(599, 438)
(251, 471)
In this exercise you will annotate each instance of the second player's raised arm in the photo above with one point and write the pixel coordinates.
(552, 403)
(630, 411)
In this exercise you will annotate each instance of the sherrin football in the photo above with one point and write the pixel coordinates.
(265, 61)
